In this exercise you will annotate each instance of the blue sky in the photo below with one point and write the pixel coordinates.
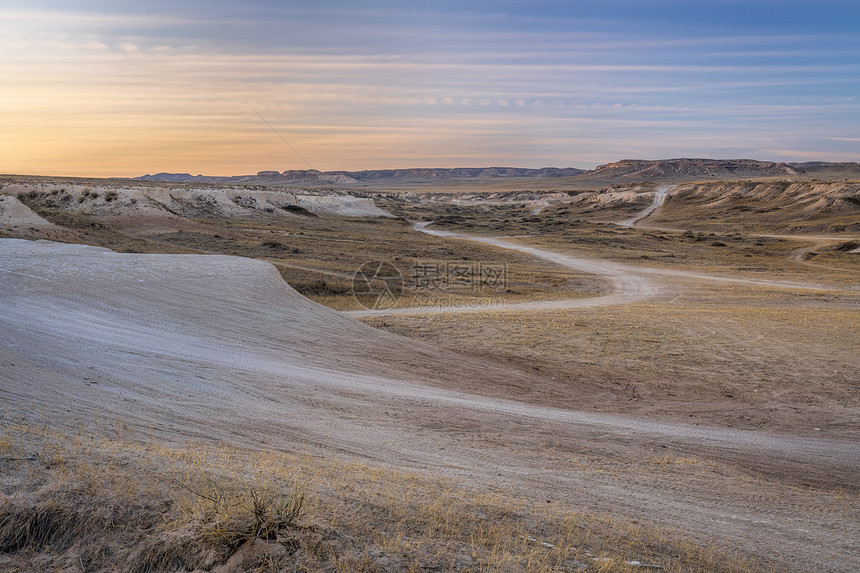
(123, 88)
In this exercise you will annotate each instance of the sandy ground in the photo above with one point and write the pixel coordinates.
(214, 347)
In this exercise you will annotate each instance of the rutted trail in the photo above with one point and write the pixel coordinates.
(627, 283)
(167, 307)
(660, 196)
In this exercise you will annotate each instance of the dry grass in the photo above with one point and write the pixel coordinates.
(73, 500)
(230, 516)
(767, 347)
(733, 251)
(98, 503)
(744, 356)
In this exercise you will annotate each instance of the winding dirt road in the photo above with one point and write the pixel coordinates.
(626, 283)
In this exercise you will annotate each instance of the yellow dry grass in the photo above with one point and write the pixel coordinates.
(113, 502)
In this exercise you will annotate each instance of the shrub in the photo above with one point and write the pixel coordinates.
(228, 517)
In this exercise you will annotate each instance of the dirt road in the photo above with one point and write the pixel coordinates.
(660, 196)
(626, 283)
(220, 348)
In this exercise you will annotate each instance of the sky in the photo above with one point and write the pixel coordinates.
(123, 88)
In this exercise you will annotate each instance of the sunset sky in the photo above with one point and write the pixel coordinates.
(106, 88)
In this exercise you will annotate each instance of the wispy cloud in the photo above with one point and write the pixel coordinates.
(124, 89)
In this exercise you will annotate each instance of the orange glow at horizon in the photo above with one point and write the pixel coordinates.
(135, 91)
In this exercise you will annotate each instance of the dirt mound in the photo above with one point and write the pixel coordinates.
(16, 217)
(171, 203)
(785, 205)
(199, 345)
(672, 168)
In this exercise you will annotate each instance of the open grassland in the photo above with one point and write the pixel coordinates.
(753, 363)
(112, 501)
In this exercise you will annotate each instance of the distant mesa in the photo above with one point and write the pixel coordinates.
(641, 169)
(624, 170)
(463, 173)
(347, 177)
(173, 177)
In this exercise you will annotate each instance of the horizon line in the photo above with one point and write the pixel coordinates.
(311, 170)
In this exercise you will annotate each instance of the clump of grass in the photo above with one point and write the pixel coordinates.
(27, 524)
(230, 516)
(321, 288)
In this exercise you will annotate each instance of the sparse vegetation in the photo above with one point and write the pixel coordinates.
(119, 504)
(112, 499)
